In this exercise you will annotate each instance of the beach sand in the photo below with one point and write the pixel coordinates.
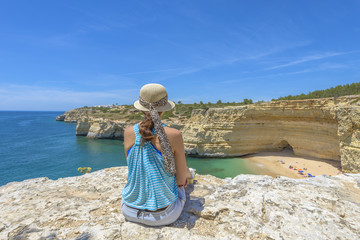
(270, 163)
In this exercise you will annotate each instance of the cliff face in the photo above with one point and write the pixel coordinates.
(349, 134)
(104, 128)
(245, 207)
(327, 128)
(322, 128)
(99, 128)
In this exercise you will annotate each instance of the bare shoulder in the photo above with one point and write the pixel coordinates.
(173, 132)
(176, 141)
(129, 132)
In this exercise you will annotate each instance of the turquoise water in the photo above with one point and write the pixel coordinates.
(33, 144)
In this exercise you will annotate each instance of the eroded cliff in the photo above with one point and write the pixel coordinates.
(324, 128)
(100, 128)
(327, 128)
(245, 207)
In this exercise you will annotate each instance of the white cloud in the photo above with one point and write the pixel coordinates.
(25, 97)
(309, 58)
(321, 67)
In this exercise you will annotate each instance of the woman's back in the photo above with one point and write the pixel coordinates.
(155, 191)
(149, 185)
(177, 145)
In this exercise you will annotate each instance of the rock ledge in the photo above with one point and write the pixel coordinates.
(245, 207)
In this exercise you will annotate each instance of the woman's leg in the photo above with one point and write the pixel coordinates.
(169, 215)
(165, 217)
(130, 214)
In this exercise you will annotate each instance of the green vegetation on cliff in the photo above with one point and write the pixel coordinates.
(186, 109)
(339, 90)
(128, 113)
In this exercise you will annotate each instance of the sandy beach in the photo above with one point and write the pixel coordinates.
(287, 164)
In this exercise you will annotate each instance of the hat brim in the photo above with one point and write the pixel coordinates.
(170, 105)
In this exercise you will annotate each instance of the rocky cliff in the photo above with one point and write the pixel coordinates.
(326, 128)
(104, 128)
(110, 123)
(100, 128)
(245, 207)
(72, 116)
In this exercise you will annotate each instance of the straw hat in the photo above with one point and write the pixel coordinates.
(152, 93)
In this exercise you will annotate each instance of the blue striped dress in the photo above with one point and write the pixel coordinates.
(149, 186)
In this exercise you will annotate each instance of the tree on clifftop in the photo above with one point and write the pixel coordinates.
(247, 101)
(339, 90)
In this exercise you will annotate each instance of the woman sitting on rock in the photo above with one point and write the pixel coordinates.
(154, 193)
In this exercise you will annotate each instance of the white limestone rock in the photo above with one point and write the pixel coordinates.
(245, 207)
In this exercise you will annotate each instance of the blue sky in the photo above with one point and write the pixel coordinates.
(59, 55)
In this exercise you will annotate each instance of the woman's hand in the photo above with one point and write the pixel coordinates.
(186, 183)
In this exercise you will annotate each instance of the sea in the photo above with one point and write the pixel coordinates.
(33, 144)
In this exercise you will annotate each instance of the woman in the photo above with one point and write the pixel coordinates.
(154, 193)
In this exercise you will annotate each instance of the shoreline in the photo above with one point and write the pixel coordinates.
(277, 164)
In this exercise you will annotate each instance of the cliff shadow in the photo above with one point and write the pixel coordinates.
(192, 210)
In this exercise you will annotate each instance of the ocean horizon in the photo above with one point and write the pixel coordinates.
(34, 144)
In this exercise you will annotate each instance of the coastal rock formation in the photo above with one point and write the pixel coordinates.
(349, 137)
(245, 207)
(100, 128)
(104, 128)
(60, 117)
(72, 116)
(327, 128)
(82, 127)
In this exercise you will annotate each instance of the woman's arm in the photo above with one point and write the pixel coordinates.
(129, 138)
(182, 171)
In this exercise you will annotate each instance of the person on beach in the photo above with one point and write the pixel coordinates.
(154, 194)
